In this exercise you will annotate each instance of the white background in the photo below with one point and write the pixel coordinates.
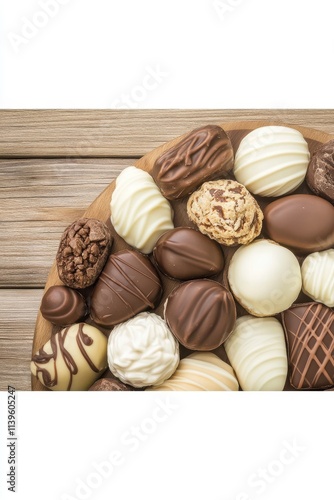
(103, 53)
(250, 53)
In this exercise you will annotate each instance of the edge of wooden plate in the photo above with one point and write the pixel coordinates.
(100, 208)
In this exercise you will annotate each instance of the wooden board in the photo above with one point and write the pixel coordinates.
(100, 208)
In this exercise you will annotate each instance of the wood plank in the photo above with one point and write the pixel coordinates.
(127, 133)
(38, 199)
(18, 311)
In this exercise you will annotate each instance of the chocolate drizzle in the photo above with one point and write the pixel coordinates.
(203, 154)
(127, 285)
(309, 330)
(42, 357)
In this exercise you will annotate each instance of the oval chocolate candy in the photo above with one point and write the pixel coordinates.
(201, 314)
(302, 222)
(184, 253)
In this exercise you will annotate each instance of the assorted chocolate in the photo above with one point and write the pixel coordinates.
(320, 172)
(185, 254)
(225, 211)
(201, 314)
(309, 331)
(63, 306)
(128, 284)
(83, 251)
(302, 222)
(206, 153)
(165, 325)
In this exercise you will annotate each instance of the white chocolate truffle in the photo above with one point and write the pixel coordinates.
(72, 359)
(318, 277)
(272, 161)
(142, 351)
(264, 277)
(257, 352)
(201, 371)
(139, 212)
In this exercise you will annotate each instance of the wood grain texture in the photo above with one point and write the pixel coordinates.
(100, 209)
(38, 199)
(18, 311)
(125, 133)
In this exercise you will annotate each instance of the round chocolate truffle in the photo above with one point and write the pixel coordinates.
(63, 306)
(201, 314)
(320, 172)
(264, 277)
(225, 211)
(185, 254)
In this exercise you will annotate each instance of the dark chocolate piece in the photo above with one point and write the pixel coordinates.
(128, 285)
(63, 306)
(206, 153)
(309, 330)
(83, 251)
(185, 254)
(201, 314)
(320, 172)
(302, 222)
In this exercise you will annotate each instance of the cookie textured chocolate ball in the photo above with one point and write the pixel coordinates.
(63, 306)
(320, 172)
(83, 251)
(225, 211)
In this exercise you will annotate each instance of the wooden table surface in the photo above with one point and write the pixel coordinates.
(53, 164)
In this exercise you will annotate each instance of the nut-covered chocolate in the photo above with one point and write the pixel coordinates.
(201, 314)
(128, 285)
(83, 251)
(204, 154)
(302, 222)
(185, 254)
(320, 172)
(63, 306)
(309, 330)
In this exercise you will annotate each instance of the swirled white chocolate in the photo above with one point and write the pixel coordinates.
(142, 351)
(139, 212)
(272, 161)
(318, 277)
(201, 371)
(72, 359)
(257, 352)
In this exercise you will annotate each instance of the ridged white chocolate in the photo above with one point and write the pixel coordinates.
(272, 161)
(139, 212)
(257, 352)
(318, 277)
(201, 371)
(142, 351)
(264, 277)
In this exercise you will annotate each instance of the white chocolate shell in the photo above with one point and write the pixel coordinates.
(257, 352)
(264, 277)
(72, 359)
(318, 277)
(201, 371)
(272, 161)
(142, 351)
(139, 212)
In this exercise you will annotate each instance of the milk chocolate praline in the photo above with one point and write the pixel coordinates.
(201, 314)
(128, 285)
(302, 222)
(63, 306)
(204, 154)
(320, 172)
(309, 330)
(184, 253)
